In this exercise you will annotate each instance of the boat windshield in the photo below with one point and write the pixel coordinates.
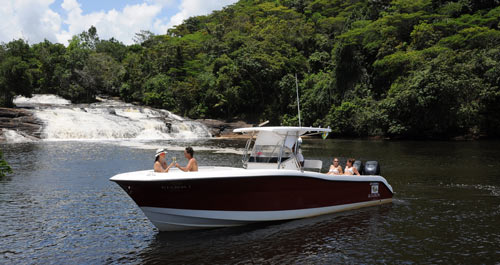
(269, 154)
(275, 147)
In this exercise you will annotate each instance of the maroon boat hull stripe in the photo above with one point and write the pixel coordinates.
(268, 193)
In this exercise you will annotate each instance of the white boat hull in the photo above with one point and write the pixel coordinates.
(169, 219)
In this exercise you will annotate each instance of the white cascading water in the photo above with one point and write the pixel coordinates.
(108, 120)
(12, 136)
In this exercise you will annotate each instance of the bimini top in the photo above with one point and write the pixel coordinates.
(276, 147)
(283, 130)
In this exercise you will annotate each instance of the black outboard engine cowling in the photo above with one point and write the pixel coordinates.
(359, 166)
(372, 168)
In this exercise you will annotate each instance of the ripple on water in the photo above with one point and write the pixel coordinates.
(61, 208)
(494, 190)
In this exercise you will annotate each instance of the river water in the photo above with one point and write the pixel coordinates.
(60, 207)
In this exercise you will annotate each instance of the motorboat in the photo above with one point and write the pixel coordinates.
(272, 184)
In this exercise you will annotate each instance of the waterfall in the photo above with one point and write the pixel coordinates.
(108, 120)
(11, 136)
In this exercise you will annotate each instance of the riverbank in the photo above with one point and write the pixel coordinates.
(100, 120)
(224, 129)
(50, 117)
(20, 121)
(23, 122)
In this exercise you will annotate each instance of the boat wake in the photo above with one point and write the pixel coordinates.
(400, 202)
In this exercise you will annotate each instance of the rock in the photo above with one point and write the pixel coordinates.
(12, 113)
(20, 120)
(221, 128)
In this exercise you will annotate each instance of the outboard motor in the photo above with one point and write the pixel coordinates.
(359, 166)
(372, 168)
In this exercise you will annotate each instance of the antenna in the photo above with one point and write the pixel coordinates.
(298, 100)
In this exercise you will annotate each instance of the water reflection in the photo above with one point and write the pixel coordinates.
(21, 156)
(313, 240)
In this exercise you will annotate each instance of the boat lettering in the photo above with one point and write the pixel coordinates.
(374, 190)
(176, 187)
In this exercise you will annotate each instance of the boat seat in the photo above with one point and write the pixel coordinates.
(313, 164)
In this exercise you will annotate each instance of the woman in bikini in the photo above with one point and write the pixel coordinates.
(349, 168)
(160, 164)
(335, 168)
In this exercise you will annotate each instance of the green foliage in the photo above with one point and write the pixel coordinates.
(340, 118)
(89, 39)
(112, 47)
(158, 92)
(16, 77)
(317, 97)
(410, 6)
(4, 166)
(439, 100)
(402, 68)
(423, 36)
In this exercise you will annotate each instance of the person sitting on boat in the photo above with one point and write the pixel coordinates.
(192, 163)
(335, 168)
(161, 161)
(349, 167)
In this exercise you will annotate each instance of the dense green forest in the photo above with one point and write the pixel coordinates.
(401, 68)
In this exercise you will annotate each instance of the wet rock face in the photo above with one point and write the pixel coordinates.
(106, 119)
(20, 120)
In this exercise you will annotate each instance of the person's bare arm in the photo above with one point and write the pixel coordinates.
(158, 167)
(329, 172)
(356, 171)
(188, 167)
(169, 166)
(185, 169)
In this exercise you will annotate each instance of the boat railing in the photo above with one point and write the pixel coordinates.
(281, 150)
(297, 162)
(245, 158)
(272, 155)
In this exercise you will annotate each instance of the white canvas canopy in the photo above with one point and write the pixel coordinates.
(283, 130)
(275, 135)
